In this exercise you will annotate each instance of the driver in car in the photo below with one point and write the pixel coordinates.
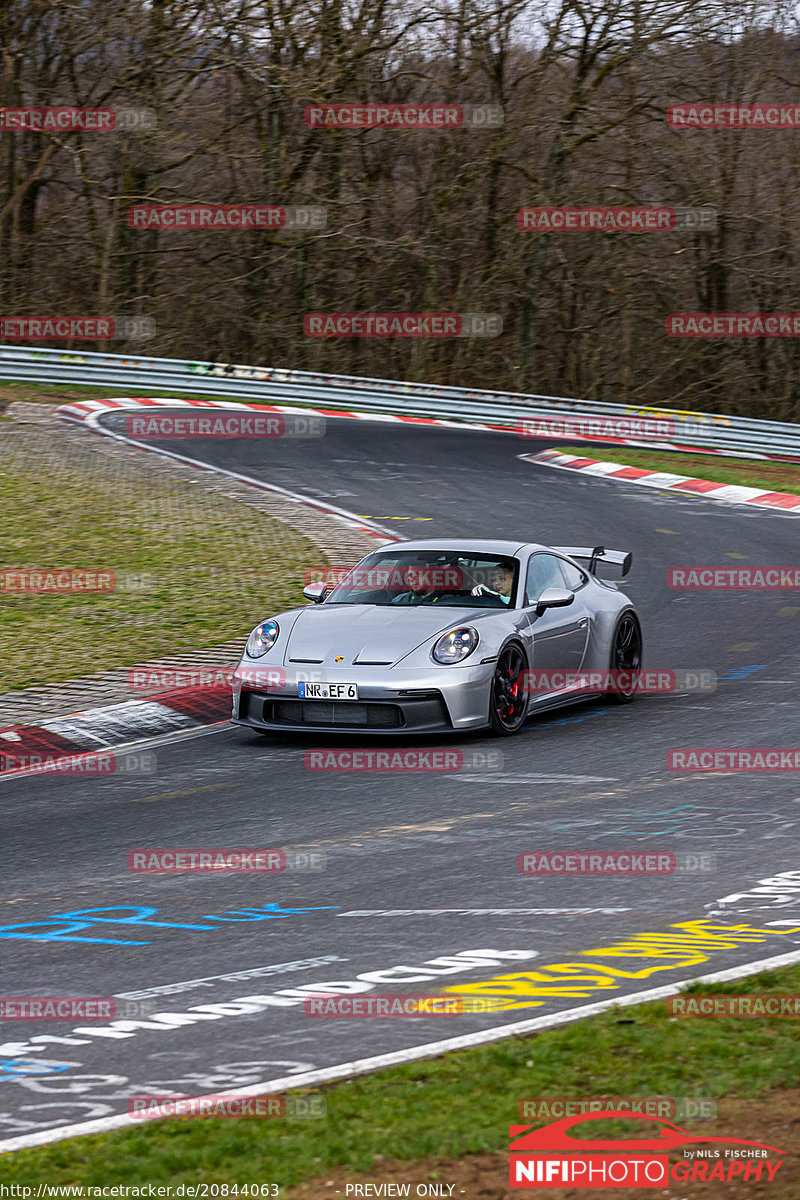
(501, 583)
(421, 589)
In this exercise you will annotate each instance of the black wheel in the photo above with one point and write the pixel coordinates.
(508, 702)
(626, 658)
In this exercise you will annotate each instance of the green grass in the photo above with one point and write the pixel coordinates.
(12, 390)
(459, 1104)
(773, 477)
(68, 393)
(214, 566)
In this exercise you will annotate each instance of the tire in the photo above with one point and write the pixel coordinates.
(508, 697)
(626, 655)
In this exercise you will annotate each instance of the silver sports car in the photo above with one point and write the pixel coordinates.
(435, 636)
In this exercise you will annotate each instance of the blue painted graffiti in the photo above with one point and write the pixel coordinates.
(16, 1067)
(60, 926)
(577, 720)
(740, 672)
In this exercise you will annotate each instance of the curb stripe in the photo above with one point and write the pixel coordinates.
(730, 492)
(72, 736)
(80, 409)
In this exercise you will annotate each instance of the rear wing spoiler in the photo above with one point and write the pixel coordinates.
(593, 556)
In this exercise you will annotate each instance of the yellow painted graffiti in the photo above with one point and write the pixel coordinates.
(694, 943)
(694, 938)
(679, 414)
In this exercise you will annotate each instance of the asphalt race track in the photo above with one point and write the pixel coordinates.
(587, 778)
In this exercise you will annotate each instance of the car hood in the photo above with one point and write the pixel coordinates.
(365, 634)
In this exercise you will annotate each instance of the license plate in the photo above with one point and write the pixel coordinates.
(327, 691)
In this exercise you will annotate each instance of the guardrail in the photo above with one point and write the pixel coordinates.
(698, 431)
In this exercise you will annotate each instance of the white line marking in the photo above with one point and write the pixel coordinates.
(660, 479)
(188, 985)
(606, 468)
(664, 484)
(368, 416)
(738, 491)
(488, 912)
(98, 726)
(532, 777)
(363, 1066)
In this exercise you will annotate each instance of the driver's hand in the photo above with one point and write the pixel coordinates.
(481, 589)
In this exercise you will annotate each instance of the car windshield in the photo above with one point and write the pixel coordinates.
(445, 578)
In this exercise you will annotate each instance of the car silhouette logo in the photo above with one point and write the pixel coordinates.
(555, 1137)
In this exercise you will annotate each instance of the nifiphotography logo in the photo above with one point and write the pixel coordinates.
(551, 1157)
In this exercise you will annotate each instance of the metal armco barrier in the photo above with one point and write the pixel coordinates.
(694, 430)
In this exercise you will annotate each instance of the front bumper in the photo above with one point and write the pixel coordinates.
(389, 702)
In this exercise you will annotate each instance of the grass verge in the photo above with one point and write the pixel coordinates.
(459, 1104)
(773, 477)
(68, 393)
(193, 567)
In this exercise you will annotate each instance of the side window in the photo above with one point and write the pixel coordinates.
(575, 578)
(544, 571)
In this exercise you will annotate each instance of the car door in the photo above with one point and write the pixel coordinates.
(557, 638)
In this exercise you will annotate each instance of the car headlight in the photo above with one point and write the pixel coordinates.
(262, 639)
(455, 645)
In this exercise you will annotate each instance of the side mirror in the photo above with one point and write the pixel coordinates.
(315, 592)
(554, 598)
